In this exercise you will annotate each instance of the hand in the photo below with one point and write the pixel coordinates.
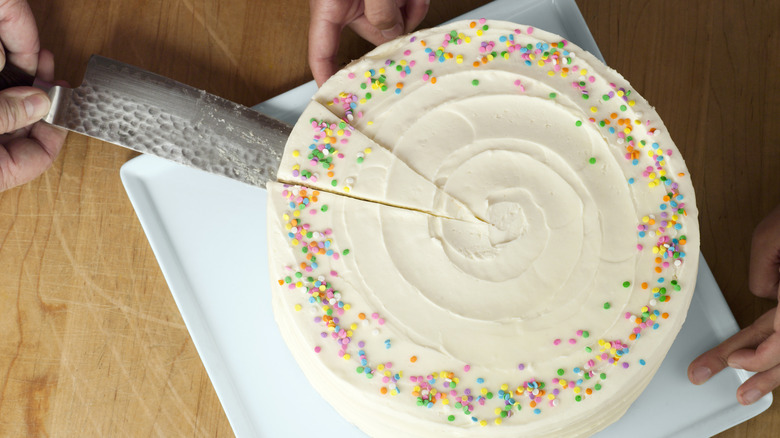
(27, 148)
(757, 347)
(378, 21)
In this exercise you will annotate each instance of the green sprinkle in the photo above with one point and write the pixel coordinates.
(475, 82)
(552, 95)
(589, 350)
(592, 160)
(578, 123)
(578, 398)
(585, 334)
(597, 387)
(345, 252)
(607, 306)
(324, 208)
(603, 376)
(626, 283)
(623, 108)
(451, 418)
(489, 395)
(359, 160)
(334, 183)
(560, 371)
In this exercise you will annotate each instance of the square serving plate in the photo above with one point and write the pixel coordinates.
(208, 234)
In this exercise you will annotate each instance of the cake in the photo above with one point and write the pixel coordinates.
(481, 230)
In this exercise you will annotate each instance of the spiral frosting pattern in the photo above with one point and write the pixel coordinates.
(481, 230)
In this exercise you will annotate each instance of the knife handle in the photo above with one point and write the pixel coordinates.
(13, 76)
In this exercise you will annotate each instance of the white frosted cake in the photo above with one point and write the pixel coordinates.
(481, 230)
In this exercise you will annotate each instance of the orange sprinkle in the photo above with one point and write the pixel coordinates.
(589, 391)
(658, 260)
(658, 269)
(644, 285)
(473, 24)
(433, 80)
(632, 336)
(383, 390)
(533, 403)
(664, 315)
(614, 116)
(422, 42)
(476, 64)
(281, 282)
(413, 359)
(303, 265)
(330, 167)
(682, 241)
(361, 316)
(399, 85)
(330, 174)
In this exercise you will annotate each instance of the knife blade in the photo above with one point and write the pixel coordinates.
(149, 113)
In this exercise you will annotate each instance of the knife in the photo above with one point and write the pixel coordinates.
(143, 111)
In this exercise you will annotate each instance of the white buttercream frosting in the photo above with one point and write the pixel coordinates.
(481, 230)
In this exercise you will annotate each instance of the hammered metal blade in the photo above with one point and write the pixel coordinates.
(149, 113)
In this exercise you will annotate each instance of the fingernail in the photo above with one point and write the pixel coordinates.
(751, 396)
(701, 374)
(393, 31)
(36, 105)
(734, 365)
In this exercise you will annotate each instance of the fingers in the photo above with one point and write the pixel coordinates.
(716, 359)
(21, 106)
(758, 386)
(764, 274)
(23, 159)
(385, 16)
(324, 35)
(415, 12)
(19, 34)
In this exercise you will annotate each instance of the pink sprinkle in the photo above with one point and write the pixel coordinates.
(572, 341)
(467, 368)
(639, 247)
(592, 79)
(351, 75)
(579, 332)
(407, 52)
(591, 363)
(482, 21)
(317, 349)
(557, 342)
(530, 30)
(381, 321)
(375, 315)
(334, 274)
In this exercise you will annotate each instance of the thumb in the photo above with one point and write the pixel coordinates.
(22, 106)
(385, 15)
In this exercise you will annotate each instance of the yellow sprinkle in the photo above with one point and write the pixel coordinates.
(593, 109)
(484, 391)
(504, 387)
(299, 284)
(583, 72)
(347, 306)
(576, 389)
(483, 423)
(298, 307)
(498, 421)
(380, 367)
(296, 153)
(353, 326)
(367, 150)
(381, 71)
(346, 189)
(294, 242)
(459, 59)
(479, 32)
(631, 103)
(497, 411)
(369, 123)
(362, 100)
(346, 356)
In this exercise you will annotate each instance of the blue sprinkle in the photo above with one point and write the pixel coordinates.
(480, 380)
(537, 411)
(631, 180)
(642, 362)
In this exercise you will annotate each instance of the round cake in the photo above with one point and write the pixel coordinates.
(481, 230)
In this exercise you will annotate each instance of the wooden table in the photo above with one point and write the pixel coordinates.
(92, 343)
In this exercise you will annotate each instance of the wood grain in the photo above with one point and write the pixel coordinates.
(92, 343)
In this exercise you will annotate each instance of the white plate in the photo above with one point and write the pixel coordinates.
(208, 234)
